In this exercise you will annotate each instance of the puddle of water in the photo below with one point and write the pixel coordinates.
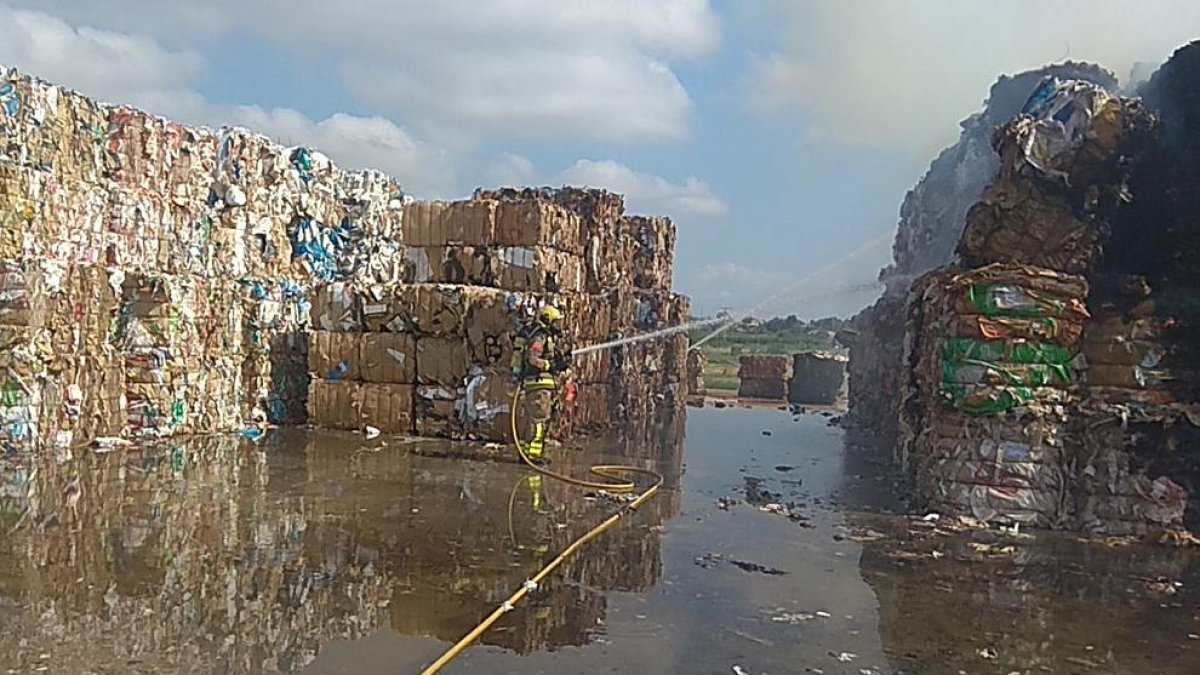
(327, 554)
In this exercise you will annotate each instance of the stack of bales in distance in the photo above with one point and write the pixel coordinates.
(156, 281)
(763, 377)
(477, 270)
(1049, 384)
(817, 378)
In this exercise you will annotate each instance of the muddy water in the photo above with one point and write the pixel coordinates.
(326, 553)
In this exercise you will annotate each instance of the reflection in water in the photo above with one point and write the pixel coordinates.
(217, 556)
(1052, 604)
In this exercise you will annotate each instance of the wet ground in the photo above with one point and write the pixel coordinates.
(769, 551)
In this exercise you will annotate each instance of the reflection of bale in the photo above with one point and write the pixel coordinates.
(1038, 599)
(183, 561)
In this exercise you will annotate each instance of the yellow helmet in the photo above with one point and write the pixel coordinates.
(550, 315)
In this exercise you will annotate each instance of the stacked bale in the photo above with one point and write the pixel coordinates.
(817, 378)
(763, 377)
(1025, 406)
(234, 227)
(214, 244)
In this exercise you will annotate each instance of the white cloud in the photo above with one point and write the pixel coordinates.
(119, 66)
(899, 75)
(128, 68)
(125, 68)
(647, 193)
(512, 169)
(460, 69)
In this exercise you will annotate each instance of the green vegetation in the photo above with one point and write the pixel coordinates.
(788, 335)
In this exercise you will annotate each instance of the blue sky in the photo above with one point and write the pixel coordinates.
(779, 135)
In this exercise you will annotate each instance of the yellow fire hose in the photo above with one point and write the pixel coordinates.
(611, 471)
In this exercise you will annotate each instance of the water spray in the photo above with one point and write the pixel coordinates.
(725, 323)
(788, 289)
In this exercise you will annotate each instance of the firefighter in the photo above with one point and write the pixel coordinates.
(539, 357)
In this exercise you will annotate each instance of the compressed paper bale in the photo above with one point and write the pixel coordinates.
(472, 223)
(436, 410)
(768, 390)
(388, 358)
(1125, 377)
(1014, 475)
(439, 311)
(474, 265)
(334, 405)
(487, 404)
(386, 308)
(536, 222)
(424, 223)
(336, 307)
(442, 361)
(763, 366)
(335, 356)
(653, 251)
(539, 270)
(491, 323)
(992, 504)
(592, 367)
(25, 291)
(817, 379)
(387, 407)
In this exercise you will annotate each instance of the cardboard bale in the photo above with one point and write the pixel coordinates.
(473, 265)
(24, 292)
(592, 368)
(335, 405)
(817, 378)
(493, 318)
(696, 364)
(762, 389)
(335, 356)
(439, 310)
(471, 223)
(437, 410)
(539, 223)
(442, 361)
(424, 224)
(487, 404)
(763, 367)
(539, 270)
(387, 407)
(654, 251)
(388, 358)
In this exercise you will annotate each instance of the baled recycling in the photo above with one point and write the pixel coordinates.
(931, 223)
(159, 280)
(817, 378)
(763, 377)
(1050, 375)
